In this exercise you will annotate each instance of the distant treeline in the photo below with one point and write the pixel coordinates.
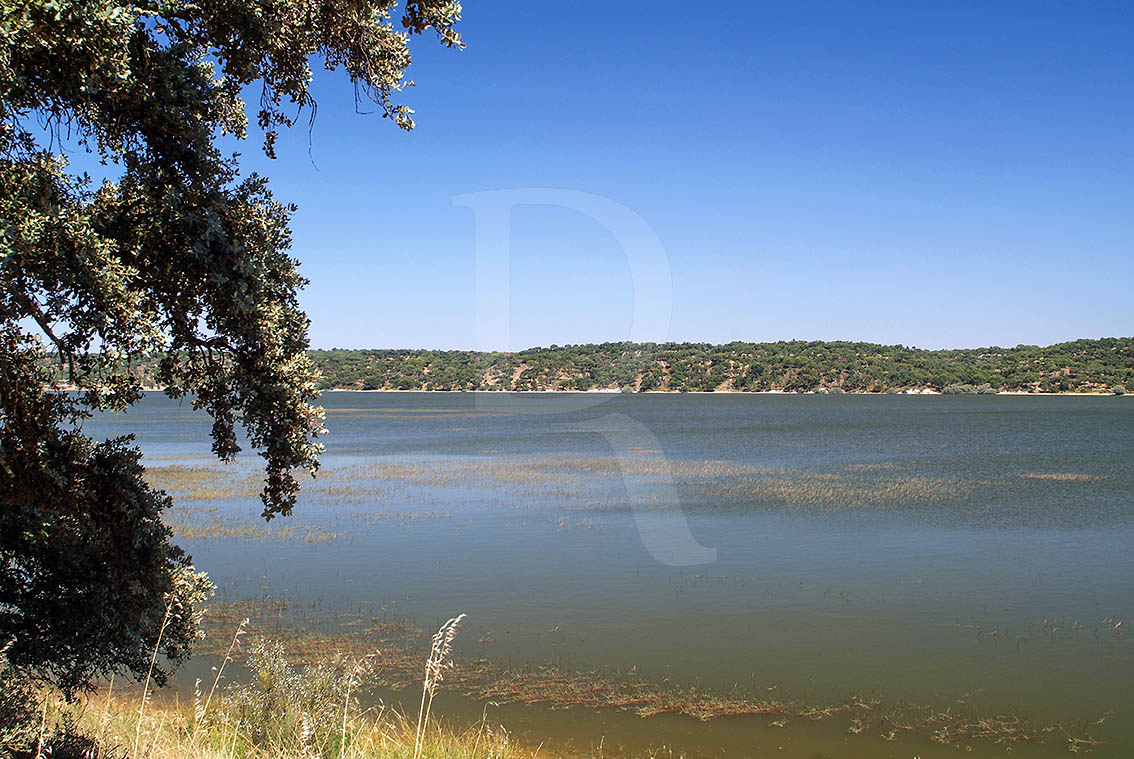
(1082, 366)
(1105, 365)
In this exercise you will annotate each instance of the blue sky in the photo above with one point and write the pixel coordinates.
(932, 174)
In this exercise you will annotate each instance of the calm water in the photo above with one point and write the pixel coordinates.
(909, 549)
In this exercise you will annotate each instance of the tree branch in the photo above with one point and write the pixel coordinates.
(34, 311)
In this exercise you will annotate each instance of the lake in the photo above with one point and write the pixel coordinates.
(798, 576)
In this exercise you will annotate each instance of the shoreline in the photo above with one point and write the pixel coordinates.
(908, 392)
(1022, 393)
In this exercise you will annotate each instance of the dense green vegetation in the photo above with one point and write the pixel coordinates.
(1080, 366)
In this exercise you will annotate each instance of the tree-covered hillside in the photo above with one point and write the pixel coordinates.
(1084, 366)
(1080, 366)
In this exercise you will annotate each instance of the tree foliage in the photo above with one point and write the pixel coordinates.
(176, 257)
(786, 366)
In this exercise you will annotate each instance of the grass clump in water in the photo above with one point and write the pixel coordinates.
(1062, 477)
(203, 483)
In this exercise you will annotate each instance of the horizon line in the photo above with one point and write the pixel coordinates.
(559, 346)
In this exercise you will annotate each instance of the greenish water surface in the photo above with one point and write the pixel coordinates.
(970, 554)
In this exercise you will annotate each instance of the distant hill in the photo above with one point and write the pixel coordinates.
(1104, 365)
(1082, 366)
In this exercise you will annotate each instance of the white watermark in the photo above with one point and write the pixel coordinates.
(654, 499)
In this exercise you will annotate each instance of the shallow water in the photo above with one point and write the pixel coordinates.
(964, 553)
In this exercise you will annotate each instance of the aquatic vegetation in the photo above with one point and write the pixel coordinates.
(306, 639)
(881, 466)
(347, 493)
(580, 524)
(305, 533)
(397, 516)
(1112, 628)
(307, 632)
(204, 482)
(408, 489)
(595, 483)
(192, 521)
(1062, 477)
(828, 490)
(1052, 631)
(585, 483)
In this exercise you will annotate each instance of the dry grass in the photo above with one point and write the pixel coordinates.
(169, 730)
(280, 713)
(439, 662)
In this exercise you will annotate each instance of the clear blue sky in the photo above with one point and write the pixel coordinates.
(939, 174)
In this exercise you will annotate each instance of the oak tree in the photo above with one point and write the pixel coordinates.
(175, 255)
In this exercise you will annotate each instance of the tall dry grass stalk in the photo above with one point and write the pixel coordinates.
(42, 732)
(150, 672)
(200, 713)
(352, 682)
(440, 659)
(104, 720)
